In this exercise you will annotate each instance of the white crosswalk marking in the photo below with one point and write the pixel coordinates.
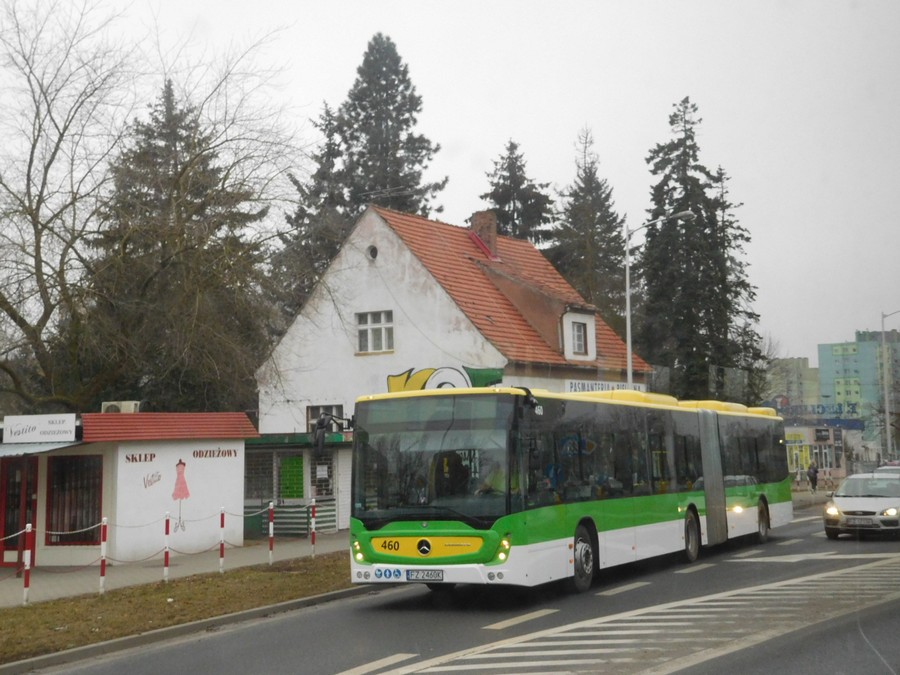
(676, 635)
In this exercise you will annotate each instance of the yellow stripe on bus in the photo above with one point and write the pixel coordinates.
(437, 547)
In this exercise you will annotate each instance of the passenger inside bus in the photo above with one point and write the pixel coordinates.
(448, 475)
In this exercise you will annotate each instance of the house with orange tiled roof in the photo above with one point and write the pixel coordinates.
(412, 303)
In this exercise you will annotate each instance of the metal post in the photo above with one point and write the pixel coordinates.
(886, 376)
(681, 215)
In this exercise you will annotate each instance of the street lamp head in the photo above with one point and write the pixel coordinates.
(682, 215)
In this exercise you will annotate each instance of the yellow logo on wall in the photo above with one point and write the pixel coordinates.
(444, 377)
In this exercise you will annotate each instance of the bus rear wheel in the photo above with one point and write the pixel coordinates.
(584, 559)
(691, 536)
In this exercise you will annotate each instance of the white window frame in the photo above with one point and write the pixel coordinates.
(569, 319)
(579, 338)
(313, 412)
(375, 332)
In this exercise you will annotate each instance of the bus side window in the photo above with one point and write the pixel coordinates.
(543, 472)
(658, 441)
(602, 481)
(622, 463)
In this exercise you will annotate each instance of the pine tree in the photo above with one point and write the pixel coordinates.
(695, 317)
(587, 246)
(383, 159)
(523, 209)
(174, 292)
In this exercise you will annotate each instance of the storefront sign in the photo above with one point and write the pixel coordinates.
(576, 386)
(38, 428)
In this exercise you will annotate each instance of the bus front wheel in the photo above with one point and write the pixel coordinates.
(584, 559)
(691, 536)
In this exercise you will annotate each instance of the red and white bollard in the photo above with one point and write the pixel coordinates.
(29, 543)
(222, 541)
(271, 530)
(166, 551)
(312, 527)
(102, 556)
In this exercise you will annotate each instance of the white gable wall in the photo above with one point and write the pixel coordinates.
(316, 362)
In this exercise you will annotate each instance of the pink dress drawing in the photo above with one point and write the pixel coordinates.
(181, 488)
(180, 493)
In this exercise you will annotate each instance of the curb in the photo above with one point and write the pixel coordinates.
(150, 637)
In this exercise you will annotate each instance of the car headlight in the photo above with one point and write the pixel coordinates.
(832, 510)
(892, 511)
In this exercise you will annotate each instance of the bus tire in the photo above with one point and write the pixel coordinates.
(762, 524)
(691, 536)
(585, 560)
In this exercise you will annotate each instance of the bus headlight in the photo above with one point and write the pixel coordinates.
(357, 551)
(503, 552)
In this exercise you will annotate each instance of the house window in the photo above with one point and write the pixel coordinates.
(579, 337)
(74, 491)
(375, 331)
(313, 412)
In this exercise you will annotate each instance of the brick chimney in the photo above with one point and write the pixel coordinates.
(484, 225)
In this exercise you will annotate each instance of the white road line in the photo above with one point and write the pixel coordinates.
(378, 665)
(694, 568)
(623, 589)
(789, 542)
(520, 619)
(747, 554)
(803, 520)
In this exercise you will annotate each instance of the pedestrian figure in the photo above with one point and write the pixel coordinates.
(813, 475)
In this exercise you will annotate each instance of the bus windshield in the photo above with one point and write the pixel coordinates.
(439, 457)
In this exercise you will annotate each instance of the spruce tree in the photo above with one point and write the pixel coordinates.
(695, 318)
(369, 154)
(174, 294)
(383, 158)
(587, 245)
(523, 209)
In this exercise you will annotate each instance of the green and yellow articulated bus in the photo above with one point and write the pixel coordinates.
(510, 486)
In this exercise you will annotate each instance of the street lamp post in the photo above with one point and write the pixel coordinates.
(888, 445)
(681, 215)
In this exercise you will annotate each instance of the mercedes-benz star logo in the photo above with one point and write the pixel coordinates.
(424, 547)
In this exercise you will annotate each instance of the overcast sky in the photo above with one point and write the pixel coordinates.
(800, 102)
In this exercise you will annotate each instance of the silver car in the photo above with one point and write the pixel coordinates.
(864, 502)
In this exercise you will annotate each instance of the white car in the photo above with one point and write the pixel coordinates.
(890, 468)
(864, 502)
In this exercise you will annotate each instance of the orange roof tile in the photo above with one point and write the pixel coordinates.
(459, 264)
(151, 426)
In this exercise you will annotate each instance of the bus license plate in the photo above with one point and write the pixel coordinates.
(424, 575)
(859, 521)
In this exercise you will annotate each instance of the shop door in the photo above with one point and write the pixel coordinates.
(18, 503)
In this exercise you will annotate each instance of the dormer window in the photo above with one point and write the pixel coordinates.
(579, 330)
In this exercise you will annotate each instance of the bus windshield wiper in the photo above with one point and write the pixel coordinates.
(457, 515)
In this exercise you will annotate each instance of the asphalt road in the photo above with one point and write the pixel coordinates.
(799, 603)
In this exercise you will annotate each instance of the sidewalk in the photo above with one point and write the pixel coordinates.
(49, 583)
(804, 499)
